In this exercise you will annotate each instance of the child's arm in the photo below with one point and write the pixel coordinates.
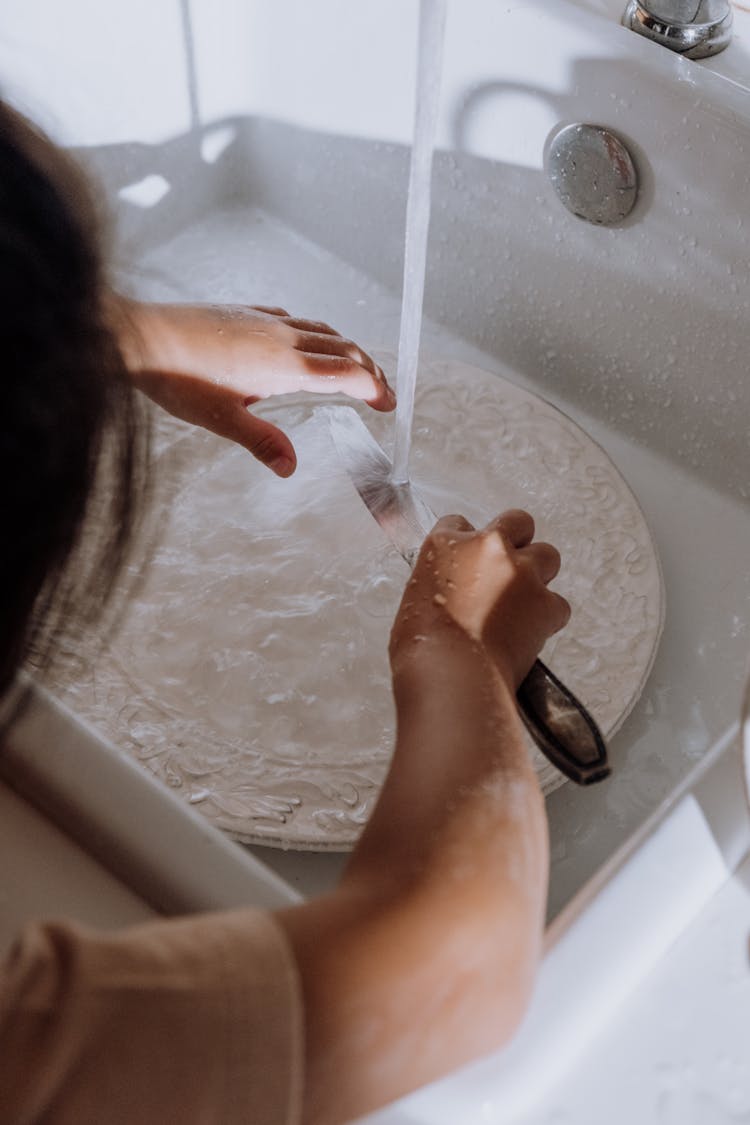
(208, 363)
(423, 958)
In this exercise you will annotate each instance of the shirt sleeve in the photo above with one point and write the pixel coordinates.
(193, 1020)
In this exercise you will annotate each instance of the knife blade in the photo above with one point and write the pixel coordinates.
(563, 729)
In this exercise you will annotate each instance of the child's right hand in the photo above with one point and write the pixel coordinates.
(453, 859)
(492, 584)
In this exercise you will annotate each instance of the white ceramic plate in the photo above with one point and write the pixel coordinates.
(251, 674)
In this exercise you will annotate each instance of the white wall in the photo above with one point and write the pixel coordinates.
(93, 72)
(97, 71)
(341, 66)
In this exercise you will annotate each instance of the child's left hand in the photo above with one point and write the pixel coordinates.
(207, 363)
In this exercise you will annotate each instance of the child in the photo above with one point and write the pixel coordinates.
(423, 956)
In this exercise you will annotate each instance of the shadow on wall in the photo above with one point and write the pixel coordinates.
(156, 189)
(484, 104)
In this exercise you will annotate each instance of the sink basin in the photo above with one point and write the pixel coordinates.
(636, 331)
(285, 185)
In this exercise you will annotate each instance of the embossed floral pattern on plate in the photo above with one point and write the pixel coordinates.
(251, 673)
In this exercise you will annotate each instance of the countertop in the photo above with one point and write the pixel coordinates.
(674, 1052)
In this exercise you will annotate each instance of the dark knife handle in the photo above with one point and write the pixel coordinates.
(561, 726)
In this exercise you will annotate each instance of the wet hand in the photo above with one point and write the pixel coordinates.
(492, 584)
(207, 364)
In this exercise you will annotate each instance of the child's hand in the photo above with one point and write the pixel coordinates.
(207, 363)
(492, 584)
(454, 857)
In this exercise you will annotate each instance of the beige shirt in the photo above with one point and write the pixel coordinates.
(196, 1021)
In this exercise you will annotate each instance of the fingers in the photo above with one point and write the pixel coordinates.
(272, 310)
(331, 344)
(559, 612)
(336, 345)
(516, 528)
(331, 374)
(334, 362)
(316, 326)
(516, 525)
(299, 323)
(544, 558)
(266, 442)
(453, 523)
(493, 584)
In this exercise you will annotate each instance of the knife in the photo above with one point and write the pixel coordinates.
(563, 729)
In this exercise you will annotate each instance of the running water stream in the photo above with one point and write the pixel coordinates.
(427, 100)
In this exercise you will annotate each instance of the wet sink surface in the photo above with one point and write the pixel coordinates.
(639, 332)
(693, 690)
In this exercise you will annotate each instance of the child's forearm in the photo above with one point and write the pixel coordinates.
(424, 956)
(460, 761)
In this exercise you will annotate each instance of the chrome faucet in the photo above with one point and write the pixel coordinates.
(695, 28)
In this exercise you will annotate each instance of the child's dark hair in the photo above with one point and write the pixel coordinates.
(73, 438)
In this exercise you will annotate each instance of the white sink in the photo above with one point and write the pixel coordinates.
(638, 332)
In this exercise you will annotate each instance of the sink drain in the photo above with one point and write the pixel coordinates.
(592, 173)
